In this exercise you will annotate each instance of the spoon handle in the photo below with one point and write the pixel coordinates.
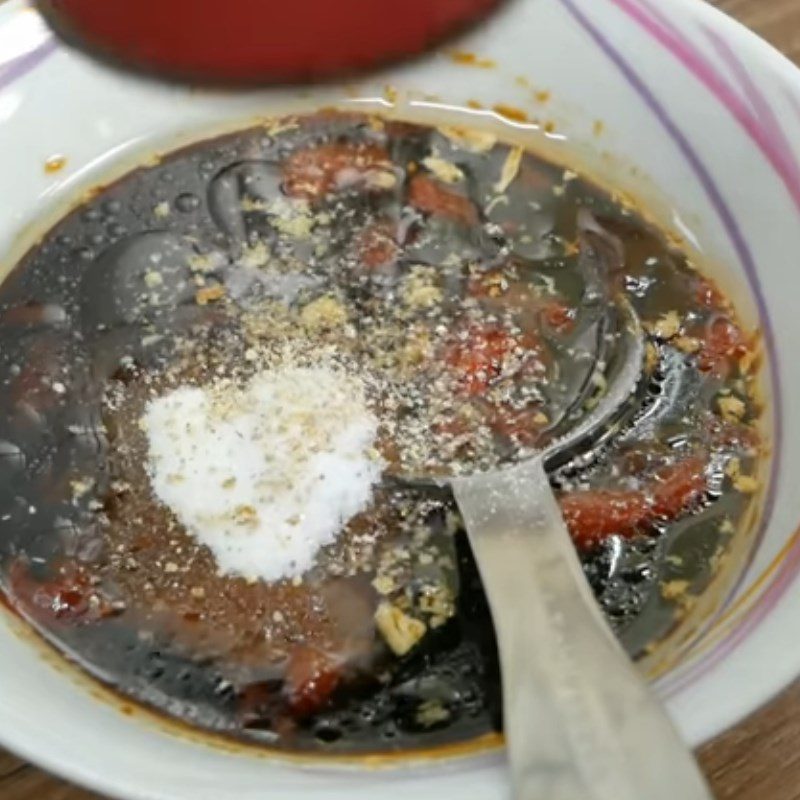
(580, 722)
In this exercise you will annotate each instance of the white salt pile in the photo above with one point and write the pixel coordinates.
(265, 475)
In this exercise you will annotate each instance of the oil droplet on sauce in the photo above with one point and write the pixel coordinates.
(55, 164)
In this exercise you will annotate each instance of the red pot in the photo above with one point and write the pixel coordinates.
(259, 40)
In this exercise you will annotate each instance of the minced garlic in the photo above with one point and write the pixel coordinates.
(667, 326)
(445, 171)
(746, 484)
(672, 590)
(688, 344)
(254, 255)
(209, 294)
(419, 290)
(291, 217)
(510, 169)
(325, 312)
(732, 408)
(400, 631)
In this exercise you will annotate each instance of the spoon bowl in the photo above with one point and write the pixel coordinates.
(563, 672)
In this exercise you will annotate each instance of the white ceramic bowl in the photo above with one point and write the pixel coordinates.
(667, 99)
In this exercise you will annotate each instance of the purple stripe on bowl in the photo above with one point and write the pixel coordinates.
(654, 22)
(16, 68)
(762, 112)
(745, 256)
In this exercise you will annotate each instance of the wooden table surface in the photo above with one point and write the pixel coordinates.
(757, 760)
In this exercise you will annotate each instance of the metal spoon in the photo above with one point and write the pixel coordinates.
(580, 721)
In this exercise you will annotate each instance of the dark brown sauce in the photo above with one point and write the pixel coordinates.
(88, 336)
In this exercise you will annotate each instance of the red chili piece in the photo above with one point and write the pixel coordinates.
(312, 676)
(593, 516)
(558, 316)
(63, 598)
(480, 356)
(377, 245)
(723, 341)
(431, 197)
(313, 172)
(677, 487)
(708, 295)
